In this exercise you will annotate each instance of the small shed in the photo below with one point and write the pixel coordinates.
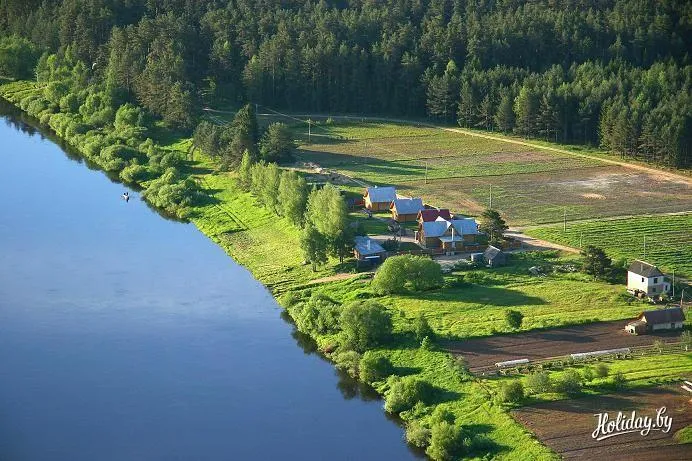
(494, 256)
(379, 198)
(406, 209)
(657, 320)
(366, 249)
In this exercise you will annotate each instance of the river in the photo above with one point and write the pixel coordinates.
(126, 336)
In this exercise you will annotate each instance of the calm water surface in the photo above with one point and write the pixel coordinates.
(124, 336)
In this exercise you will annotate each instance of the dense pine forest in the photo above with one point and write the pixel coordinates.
(615, 73)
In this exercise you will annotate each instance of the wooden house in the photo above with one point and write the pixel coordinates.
(450, 235)
(366, 249)
(657, 320)
(431, 214)
(406, 209)
(379, 198)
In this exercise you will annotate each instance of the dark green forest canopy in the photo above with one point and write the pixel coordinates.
(614, 72)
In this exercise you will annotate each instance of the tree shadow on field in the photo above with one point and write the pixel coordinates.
(361, 164)
(479, 294)
(482, 444)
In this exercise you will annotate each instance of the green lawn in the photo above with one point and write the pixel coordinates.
(668, 239)
(477, 308)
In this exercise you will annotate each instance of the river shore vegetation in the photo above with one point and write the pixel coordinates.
(124, 86)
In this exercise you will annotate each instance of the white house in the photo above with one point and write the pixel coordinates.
(645, 278)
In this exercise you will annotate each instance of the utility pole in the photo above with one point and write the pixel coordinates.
(491, 196)
(426, 172)
(309, 131)
(564, 225)
(645, 247)
(581, 239)
(673, 283)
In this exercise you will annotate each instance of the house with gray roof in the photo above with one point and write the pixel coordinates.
(644, 279)
(406, 209)
(379, 198)
(367, 249)
(657, 320)
(449, 235)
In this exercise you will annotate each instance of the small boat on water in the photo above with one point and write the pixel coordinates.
(126, 196)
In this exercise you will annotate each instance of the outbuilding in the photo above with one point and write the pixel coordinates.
(431, 214)
(368, 250)
(494, 256)
(379, 198)
(406, 209)
(657, 320)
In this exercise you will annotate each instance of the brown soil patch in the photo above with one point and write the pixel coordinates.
(567, 426)
(594, 196)
(555, 342)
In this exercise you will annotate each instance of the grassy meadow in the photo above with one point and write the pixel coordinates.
(668, 239)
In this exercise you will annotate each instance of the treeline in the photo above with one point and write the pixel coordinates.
(587, 71)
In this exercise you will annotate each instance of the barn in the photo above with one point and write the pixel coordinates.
(657, 320)
(379, 198)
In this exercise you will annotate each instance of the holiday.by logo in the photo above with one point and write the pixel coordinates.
(627, 424)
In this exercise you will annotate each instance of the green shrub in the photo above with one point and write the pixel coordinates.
(601, 370)
(406, 272)
(374, 368)
(422, 329)
(619, 381)
(135, 173)
(538, 383)
(569, 383)
(405, 392)
(511, 392)
(417, 434)
(365, 324)
(588, 374)
(348, 361)
(514, 318)
(172, 194)
(448, 442)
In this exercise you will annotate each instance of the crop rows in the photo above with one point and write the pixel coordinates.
(662, 240)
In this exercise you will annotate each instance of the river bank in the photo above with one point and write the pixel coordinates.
(268, 247)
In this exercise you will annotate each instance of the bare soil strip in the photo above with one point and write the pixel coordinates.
(566, 426)
(555, 342)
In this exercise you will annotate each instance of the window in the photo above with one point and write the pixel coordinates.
(653, 290)
(656, 280)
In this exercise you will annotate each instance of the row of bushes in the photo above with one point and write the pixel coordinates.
(117, 147)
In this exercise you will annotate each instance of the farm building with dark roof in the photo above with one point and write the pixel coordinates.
(657, 320)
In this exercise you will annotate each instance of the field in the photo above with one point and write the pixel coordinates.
(474, 302)
(530, 184)
(542, 344)
(566, 426)
(668, 239)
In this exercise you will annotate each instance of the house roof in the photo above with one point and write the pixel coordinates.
(407, 205)
(381, 194)
(491, 252)
(466, 226)
(431, 214)
(435, 228)
(644, 269)
(367, 246)
(673, 314)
